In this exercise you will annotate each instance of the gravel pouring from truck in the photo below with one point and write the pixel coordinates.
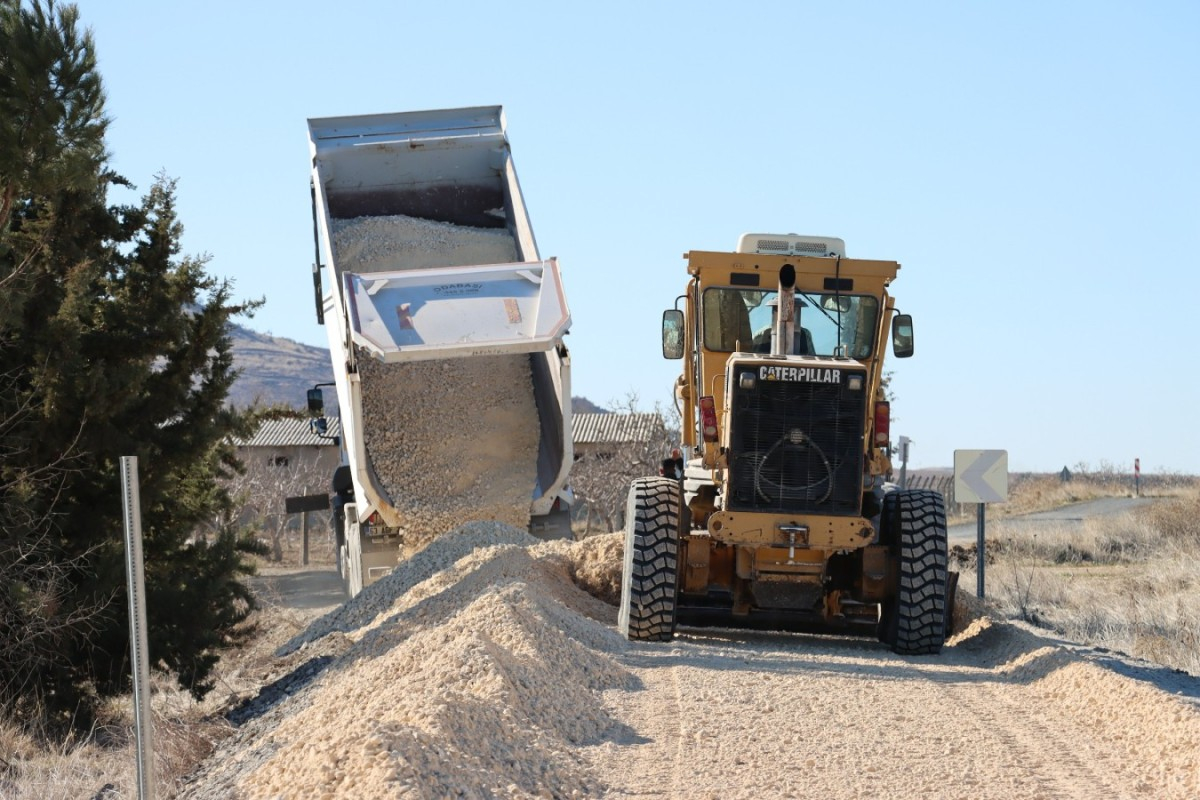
(445, 328)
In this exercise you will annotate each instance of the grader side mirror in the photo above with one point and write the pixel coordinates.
(902, 335)
(316, 403)
(672, 333)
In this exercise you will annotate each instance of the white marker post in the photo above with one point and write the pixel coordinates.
(138, 648)
(980, 476)
(905, 444)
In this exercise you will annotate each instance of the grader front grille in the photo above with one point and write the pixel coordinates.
(796, 445)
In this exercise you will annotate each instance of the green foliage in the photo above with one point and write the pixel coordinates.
(51, 101)
(111, 345)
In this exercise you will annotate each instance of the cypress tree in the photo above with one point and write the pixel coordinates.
(111, 344)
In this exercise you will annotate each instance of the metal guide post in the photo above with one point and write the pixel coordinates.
(980, 553)
(304, 529)
(139, 649)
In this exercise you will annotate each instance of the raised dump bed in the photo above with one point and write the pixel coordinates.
(446, 331)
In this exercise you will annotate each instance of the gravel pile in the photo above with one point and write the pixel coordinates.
(440, 555)
(480, 670)
(596, 564)
(450, 441)
(477, 669)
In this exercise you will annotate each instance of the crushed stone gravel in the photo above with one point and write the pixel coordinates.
(448, 441)
(385, 243)
(473, 670)
(481, 669)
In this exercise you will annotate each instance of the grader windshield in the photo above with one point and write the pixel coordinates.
(826, 324)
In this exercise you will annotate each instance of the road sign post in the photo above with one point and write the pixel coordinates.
(302, 505)
(980, 476)
(1137, 477)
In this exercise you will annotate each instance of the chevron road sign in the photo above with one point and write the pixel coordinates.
(980, 476)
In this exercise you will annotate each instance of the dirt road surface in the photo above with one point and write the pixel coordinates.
(481, 669)
(1002, 713)
(305, 589)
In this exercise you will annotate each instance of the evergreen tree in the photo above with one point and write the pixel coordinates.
(111, 344)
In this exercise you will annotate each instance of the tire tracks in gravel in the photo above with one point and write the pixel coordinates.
(679, 763)
(656, 760)
(1000, 714)
(1041, 744)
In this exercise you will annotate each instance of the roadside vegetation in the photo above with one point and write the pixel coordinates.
(1029, 493)
(37, 763)
(112, 344)
(1125, 582)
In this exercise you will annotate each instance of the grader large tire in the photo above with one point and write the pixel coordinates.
(913, 524)
(649, 581)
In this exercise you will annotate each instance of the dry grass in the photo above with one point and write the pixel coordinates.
(1126, 582)
(1043, 493)
(102, 764)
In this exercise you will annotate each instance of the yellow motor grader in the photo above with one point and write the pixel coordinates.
(784, 518)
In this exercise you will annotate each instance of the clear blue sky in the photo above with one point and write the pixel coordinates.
(1035, 168)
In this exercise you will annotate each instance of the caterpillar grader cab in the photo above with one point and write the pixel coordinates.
(784, 518)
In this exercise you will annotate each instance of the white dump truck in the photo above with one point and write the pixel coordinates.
(446, 334)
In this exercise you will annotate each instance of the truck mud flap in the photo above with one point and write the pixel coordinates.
(555, 525)
(380, 554)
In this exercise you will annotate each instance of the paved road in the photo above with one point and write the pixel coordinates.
(303, 588)
(967, 533)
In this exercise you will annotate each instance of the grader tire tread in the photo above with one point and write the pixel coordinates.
(918, 621)
(650, 576)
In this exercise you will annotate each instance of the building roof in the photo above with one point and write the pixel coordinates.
(615, 428)
(291, 433)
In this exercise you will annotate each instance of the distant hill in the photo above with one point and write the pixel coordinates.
(581, 405)
(277, 371)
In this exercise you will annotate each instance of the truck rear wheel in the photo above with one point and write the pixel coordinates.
(913, 524)
(649, 581)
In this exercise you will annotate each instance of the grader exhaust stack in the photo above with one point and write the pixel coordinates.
(785, 314)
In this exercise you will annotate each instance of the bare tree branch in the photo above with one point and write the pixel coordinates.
(601, 476)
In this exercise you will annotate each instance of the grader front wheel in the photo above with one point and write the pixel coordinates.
(913, 524)
(650, 576)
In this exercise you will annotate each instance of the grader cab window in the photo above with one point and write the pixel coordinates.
(826, 325)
